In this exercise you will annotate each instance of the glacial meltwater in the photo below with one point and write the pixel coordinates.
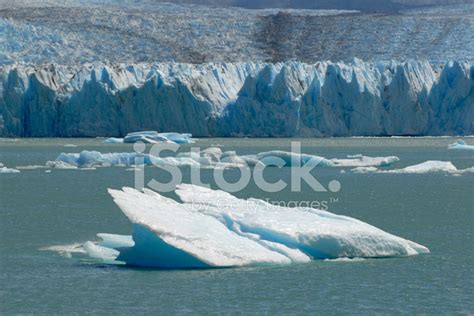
(49, 210)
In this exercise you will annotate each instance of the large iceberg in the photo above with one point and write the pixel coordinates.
(238, 99)
(215, 229)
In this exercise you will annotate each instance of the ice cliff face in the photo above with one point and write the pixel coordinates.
(235, 99)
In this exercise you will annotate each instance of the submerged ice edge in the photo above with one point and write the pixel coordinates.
(196, 233)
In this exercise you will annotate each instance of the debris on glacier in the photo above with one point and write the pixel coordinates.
(461, 145)
(215, 229)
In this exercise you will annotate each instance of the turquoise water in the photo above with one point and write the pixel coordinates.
(39, 209)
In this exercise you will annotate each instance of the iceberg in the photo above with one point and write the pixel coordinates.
(211, 157)
(113, 140)
(365, 161)
(211, 229)
(89, 159)
(146, 137)
(291, 159)
(430, 166)
(4, 169)
(461, 145)
(152, 137)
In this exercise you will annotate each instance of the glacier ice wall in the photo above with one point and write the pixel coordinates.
(238, 99)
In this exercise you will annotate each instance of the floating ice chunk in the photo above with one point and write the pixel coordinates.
(291, 159)
(70, 145)
(460, 144)
(115, 241)
(8, 170)
(215, 229)
(150, 137)
(207, 158)
(168, 234)
(276, 156)
(88, 159)
(104, 254)
(66, 250)
(364, 169)
(364, 161)
(153, 137)
(113, 140)
(58, 164)
(30, 167)
(178, 138)
(319, 234)
(427, 167)
(430, 166)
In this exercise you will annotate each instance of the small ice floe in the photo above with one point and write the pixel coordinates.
(461, 145)
(4, 170)
(70, 145)
(431, 166)
(31, 167)
(365, 161)
(58, 164)
(113, 140)
(152, 137)
(66, 250)
(211, 228)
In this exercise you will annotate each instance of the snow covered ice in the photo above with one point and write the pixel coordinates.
(215, 229)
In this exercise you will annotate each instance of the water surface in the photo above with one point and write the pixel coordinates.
(39, 209)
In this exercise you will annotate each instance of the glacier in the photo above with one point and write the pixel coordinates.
(72, 32)
(290, 99)
(210, 229)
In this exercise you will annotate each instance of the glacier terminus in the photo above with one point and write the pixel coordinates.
(290, 99)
